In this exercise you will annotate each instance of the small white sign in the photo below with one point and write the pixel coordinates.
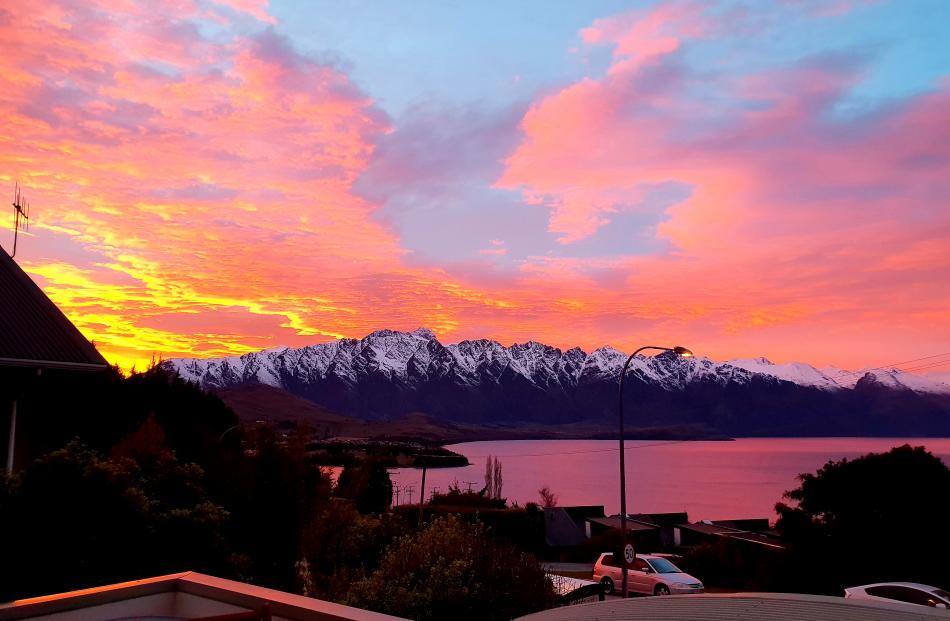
(628, 554)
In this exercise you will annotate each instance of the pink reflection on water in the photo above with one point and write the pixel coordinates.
(709, 480)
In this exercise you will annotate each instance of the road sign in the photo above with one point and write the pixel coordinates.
(628, 554)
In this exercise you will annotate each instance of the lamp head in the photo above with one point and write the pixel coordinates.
(682, 351)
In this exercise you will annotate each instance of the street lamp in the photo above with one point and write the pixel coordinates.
(679, 351)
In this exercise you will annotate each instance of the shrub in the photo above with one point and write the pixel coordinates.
(453, 569)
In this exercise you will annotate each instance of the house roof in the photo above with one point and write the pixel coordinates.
(560, 529)
(33, 331)
(709, 529)
(660, 519)
(739, 607)
(614, 522)
(759, 525)
(187, 595)
(735, 533)
(579, 513)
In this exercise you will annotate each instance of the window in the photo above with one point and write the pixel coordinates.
(640, 565)
(608, 561)
(904, 594)
(663, 566)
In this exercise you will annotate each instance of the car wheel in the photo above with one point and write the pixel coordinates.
(608, 585)
(661, 589)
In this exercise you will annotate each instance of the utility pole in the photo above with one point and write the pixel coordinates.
(422, 492)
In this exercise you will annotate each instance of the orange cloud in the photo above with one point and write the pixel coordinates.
(194, 195)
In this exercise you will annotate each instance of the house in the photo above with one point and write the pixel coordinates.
(712, 532)
(645, 536)
(186, 595)
(35, 338)
(666, 522)
(568, 526)
(740, 607)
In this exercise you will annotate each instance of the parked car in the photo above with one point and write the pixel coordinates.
(903, 592)
(648, 574)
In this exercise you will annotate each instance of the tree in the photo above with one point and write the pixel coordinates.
(368, 484)
(548, 497)
(453, 569)
(77, 519)
(866, 519)
(493, 479)
(496, 476)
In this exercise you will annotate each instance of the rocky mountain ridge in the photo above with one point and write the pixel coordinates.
(390, 373)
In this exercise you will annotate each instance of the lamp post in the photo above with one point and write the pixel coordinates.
(680, 351)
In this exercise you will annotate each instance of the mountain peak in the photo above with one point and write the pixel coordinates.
(424, 333)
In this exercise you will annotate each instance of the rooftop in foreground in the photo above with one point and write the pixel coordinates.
(187, 595)
(740, 607)
(34, 333)
(194, 596)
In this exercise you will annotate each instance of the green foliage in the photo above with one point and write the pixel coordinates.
(341, 545)
(456, 498)
(453, 569)
(102, 408)
(733, 564)
(368, 484)
(75, 518)
(272, 492)
(880, 517)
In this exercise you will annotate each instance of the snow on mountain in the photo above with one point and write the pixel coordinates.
(795, 372)
(940, 377)
(417, 358)
(896, 379)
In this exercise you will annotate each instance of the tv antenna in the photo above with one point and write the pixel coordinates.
(21, 214)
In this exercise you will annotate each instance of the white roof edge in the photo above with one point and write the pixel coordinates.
(283, 604)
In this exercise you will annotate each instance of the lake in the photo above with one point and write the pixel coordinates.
(709, 480)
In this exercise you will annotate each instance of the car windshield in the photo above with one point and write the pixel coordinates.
(942, 594)
(663, 566)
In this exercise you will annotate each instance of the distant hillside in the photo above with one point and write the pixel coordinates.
(483, 385)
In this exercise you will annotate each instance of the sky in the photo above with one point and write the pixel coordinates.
(743, 177)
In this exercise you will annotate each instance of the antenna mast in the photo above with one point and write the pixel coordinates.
(21, 213)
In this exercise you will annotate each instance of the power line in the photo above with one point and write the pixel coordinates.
(885, 367)
(928, 366)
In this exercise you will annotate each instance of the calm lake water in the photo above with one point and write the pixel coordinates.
(710, 480)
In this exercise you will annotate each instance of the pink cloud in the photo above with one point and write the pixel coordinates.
(793, 216)
(196, 196)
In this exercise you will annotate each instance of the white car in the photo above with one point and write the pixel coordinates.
(648, 574)
(903, 592)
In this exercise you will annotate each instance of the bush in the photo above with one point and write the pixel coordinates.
(880, 517)
(80, 519)
(453, 569)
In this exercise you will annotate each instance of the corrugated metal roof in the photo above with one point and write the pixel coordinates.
(614, 522)
(33, 331)
(709, 529)
(739, 607)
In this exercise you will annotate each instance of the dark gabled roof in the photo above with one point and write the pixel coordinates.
(660, 519)
(614, 522)
(560, 529)
(709, 528)
(759, 525)
(33, 331)
(716, 529)
(579, 513)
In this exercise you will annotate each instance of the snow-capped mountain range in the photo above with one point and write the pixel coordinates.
(389, 373)
(412, 357)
